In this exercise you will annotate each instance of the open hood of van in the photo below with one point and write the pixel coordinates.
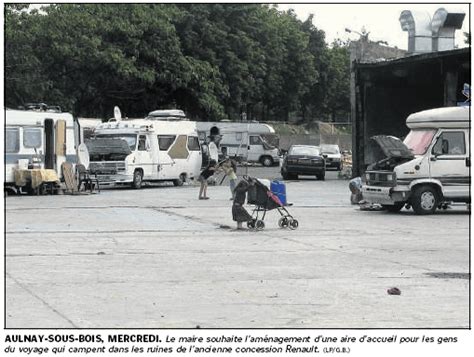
(392, 147)
(385, 152)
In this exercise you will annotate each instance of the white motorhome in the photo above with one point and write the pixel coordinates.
(250, 141)
(429, 169)
(40, 139)
(138, 150)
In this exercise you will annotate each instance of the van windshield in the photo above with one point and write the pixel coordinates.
(419, 140)
(131, 139)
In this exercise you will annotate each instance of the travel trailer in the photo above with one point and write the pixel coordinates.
(154, 149)
(426, 171)
(41, 138)
(249, 141)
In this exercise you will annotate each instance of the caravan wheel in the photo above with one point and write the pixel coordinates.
(266, 161)
(137, 179)
(180, 181)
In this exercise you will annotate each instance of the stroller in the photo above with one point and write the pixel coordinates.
(265, 200)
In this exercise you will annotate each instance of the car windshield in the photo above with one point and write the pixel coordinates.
(418, 141)
(131, 139)
(330, 149)
(304, 150)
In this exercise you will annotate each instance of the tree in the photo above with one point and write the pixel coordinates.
(212, 60)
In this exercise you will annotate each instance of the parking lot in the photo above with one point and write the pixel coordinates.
(160, 258)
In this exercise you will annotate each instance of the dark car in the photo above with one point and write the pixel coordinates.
(303, 160)
(332, 155)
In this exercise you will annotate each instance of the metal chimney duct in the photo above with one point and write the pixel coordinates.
(444, 25)
(418, 26)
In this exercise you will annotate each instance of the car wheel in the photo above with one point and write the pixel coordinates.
(424, 200)
(284, 175)
(266, 161)
(137, 179)
(321, 176)
(394, 208)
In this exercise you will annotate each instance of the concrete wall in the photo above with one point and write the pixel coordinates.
(343, 140)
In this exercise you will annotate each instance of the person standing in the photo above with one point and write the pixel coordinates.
(239, 213)
(203, 177)
(229, 168)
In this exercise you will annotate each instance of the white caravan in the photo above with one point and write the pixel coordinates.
(38, 139)
(429, 169)
(250, 141)
(138, 150)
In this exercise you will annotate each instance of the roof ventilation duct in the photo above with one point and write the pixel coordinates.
(418, 26)
(444, 25)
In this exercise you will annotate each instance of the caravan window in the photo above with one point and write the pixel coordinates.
(165, 141)
(193, 143)
(450, 143)
(142, 143)
(255, 140)
(131, 139)
(12, 140)
(31, 138)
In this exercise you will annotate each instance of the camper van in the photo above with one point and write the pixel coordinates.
(426, 171)
(250, 141)
(152, 149)
(42, 138)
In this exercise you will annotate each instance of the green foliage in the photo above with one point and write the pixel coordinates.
(214, 61)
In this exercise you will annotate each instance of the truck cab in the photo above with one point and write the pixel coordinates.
(429, 169)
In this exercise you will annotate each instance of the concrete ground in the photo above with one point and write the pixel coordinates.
(160, 258)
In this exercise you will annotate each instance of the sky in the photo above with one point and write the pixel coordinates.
(379, 19)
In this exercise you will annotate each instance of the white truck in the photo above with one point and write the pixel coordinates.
(426, 171)
(138, 150)
(250, 141)
(40, 138)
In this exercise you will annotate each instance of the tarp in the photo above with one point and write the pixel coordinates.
(35, 176)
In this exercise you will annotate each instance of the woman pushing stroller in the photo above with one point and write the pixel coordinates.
(239, 213)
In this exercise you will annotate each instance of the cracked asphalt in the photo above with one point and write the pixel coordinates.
(161, 258)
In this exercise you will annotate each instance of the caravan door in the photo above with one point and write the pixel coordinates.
(49, 154)
(165, 163)
(144, 157)
(450, 162)
(60, 143)
(255, 148)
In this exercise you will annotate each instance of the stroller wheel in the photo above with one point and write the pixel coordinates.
(251, 224)
(259, 225)
(283, 222)
(293, 224)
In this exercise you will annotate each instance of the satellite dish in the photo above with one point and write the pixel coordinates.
(83, 155)
(117, 113)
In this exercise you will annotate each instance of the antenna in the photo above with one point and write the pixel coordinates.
(117, 113)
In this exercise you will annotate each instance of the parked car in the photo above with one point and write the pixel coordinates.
(303, 160)
(332, 155)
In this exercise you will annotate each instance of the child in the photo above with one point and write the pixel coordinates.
(229, 169)
(203, 177)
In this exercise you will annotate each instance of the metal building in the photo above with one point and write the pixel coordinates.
(385, 93)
